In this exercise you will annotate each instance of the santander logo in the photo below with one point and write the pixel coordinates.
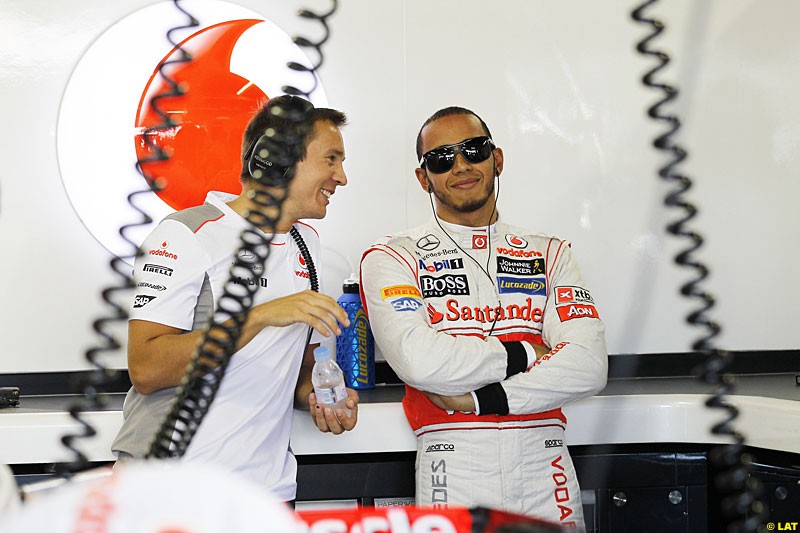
(239, 59)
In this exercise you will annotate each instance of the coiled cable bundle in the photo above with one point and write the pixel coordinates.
(91, 385)
(740, 509)
(271, 162)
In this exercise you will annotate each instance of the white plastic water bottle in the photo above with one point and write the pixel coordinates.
(328, 381)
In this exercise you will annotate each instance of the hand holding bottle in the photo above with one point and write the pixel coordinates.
(333, 406)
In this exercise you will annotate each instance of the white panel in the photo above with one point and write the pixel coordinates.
(558, 83)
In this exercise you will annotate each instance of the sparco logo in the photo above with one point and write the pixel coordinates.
(441, 447)
(428, 242)
(553, 443)
(158, 269)
(141, 300)
(520, 266)
(455, 284)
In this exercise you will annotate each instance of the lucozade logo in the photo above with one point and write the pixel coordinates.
(238, 60)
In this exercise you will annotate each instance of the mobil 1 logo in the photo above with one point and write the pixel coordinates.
(435, 287)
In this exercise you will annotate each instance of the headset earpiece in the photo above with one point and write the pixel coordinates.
(268, 161)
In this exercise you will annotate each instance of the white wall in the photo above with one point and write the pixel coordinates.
(558, 82)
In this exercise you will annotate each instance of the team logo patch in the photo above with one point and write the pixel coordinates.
(479, 242)
(568, 312)
(568, 295)
(396, 291)
(455, 284)
(428, 242)
(406, 304)
(521, 285)
(515, 241)
(520, 267)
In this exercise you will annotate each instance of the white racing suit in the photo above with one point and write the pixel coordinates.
(448, 311)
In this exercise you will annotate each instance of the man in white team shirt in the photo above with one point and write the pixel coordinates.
(180, 275)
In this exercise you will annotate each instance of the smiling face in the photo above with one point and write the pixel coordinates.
(465, 193)
(316, 176)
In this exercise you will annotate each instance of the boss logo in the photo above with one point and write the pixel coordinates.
(455, 284)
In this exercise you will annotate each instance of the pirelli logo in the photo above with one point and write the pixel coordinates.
(399, 291)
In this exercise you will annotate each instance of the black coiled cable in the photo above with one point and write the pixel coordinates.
(91, 385)
(740, 509)
(205, 373)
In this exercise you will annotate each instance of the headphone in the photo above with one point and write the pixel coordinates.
(269, 162)
(271, 158)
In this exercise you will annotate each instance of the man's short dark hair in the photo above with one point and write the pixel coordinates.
(266, 118)
(446, 112)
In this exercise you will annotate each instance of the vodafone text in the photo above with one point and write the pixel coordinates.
(561, 493)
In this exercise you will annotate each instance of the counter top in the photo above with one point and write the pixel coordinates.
(644, 410)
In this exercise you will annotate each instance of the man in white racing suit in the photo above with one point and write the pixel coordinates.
(492, 329)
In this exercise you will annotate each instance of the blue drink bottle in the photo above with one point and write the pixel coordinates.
(355, 347)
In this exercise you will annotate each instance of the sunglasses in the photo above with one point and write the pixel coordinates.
(442, 159)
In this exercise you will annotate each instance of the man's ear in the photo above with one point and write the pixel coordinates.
(422, 178)
(498, 161)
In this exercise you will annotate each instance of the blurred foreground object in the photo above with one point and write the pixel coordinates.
(156, 497)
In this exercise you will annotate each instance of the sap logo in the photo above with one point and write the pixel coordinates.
(158, 269)
(568, 312)
(455, 284)
(406, 304)
(553, 443)
(566, 295)
(446, 264)
(140, 300)
(520, 266)
(441, 447)
(521, 285)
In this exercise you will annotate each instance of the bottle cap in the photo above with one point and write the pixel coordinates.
(321, 353)
(351, 284)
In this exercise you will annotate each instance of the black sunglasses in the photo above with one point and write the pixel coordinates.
(442, 159)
